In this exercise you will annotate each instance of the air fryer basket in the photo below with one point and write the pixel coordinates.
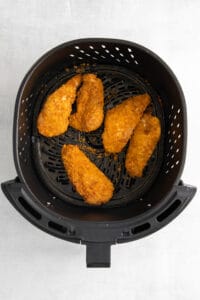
(42, 191)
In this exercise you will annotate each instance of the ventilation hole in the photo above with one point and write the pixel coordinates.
(94, 58)
(179, 136)
(121, 54)
(178, 111)
(167, 163)
(87, 54)
(172, 156)
(80, 57)
(178, 125)
(167, 171)
(20, 139)
(172, 166)
(170, 140)
(136, 62)
(173, 132)
(172, 124)
(169, 211)
(177, 150)
(76, 47)
(51, 170)
(171, 147)
(22, 113)
(57, 227)
(118, 60)
(149, 204)
(97, 52)
(167, 154)
(20, 153)
(132, 55)
(129, 50)
(172, 107)
(82, 51)
(103, 46)
(29, 208)
(73, 190)
(72, 55)
(177, 162)
(22, 100)
(175, 117)
(175, 141)
(103, 56)
(168, 132)
(112, 55)
(107, 51)
(141, 228)
(127, 61)
(170, 116)
(117, 48)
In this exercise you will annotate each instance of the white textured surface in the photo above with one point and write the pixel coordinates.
(34, 265)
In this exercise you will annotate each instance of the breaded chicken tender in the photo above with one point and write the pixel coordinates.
(89, 181)
(121, 120)
(90, 102)
(142, 144)
(53, 118)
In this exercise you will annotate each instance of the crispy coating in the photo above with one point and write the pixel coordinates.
(121, 120)
(53, 118)
(89, 181)
(90, 102)
(142, 144)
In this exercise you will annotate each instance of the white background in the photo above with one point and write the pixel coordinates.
(34, 265)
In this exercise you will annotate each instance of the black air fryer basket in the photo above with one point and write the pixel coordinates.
(42, 192)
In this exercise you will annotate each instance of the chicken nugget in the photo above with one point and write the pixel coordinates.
(90, 102)
(53, 118)
(121, 120)
(91, 183)
(142, 144)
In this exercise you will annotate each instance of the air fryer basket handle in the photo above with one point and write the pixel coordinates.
(98, 255)
(97, 249)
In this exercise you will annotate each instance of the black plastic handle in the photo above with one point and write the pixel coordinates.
(98, 255)
(98, 240)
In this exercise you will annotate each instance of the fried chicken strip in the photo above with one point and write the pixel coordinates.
(89, 181)
(53, 118)
(90, 102)
(121, 120)
(142, 144)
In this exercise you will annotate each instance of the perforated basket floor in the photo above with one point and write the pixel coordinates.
(119, 84)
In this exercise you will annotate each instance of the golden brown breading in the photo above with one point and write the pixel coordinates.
(89, 181)
(90, 102)
(121, 120)
(53, 118)
(142, 144)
